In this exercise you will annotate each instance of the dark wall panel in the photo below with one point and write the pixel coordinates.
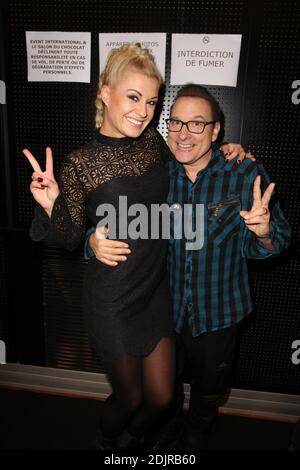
(271, 124)
(21, 307)
(3, 296)
(67, 343)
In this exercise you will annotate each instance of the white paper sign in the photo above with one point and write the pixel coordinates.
(155, 42)
(58, 56)
(207, 59)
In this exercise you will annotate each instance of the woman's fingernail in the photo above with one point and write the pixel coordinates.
(40, 179)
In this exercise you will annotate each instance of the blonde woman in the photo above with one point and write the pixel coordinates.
(127, 308)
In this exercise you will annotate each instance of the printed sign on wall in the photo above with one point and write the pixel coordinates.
(207, 59)
(155, 42)
(58, 56)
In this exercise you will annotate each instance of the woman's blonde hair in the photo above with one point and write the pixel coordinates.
(128, 56)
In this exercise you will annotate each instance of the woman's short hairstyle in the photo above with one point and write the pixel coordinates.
(129, 56)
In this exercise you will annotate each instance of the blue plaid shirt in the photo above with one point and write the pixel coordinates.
(210, 284)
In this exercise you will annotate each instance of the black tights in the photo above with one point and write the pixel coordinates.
(142, 388)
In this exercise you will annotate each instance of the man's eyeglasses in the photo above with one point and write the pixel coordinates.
(195, 127)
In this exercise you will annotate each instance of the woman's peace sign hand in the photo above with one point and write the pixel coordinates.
(44, 188)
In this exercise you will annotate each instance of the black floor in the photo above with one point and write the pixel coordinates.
(38, 421)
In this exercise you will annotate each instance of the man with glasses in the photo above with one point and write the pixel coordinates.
(209, 286)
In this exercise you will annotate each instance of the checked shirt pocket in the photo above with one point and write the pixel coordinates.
(223, 219)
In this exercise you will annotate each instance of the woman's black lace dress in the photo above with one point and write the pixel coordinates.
(127, 306)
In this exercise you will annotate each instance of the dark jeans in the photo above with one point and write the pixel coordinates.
(205, 363)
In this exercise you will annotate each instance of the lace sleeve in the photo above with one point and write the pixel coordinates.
(165, 152)
(66, 227)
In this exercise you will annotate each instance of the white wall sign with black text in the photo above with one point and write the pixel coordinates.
(207, 59)
(155, 42)
(54, 56)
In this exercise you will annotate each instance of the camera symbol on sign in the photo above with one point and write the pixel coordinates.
(206, 39)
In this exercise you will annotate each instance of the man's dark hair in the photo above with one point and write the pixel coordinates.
(199, 91)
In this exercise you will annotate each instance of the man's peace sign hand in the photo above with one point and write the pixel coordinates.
(44, 188)
(258, 218)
